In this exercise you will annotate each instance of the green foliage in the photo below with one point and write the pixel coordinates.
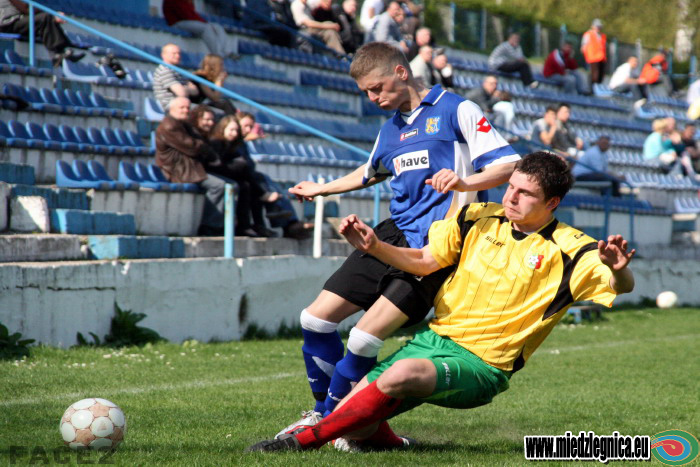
(12, 346)
(652, 21)
(124, 331)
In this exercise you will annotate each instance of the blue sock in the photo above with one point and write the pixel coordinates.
(322, 350)
(349, 370)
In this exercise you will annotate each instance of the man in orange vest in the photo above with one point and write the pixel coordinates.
(593, 47)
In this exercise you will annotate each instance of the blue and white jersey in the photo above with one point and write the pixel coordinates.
(444, 132)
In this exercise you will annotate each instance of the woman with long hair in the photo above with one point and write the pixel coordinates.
(212, 69)
(227, 141)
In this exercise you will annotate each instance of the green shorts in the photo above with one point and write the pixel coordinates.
(464, 380)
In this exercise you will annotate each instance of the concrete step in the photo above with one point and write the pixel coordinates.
(62, 247)
(210, 247)
(56, 198)
(40, 247)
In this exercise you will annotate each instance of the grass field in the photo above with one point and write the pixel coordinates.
(201, 404)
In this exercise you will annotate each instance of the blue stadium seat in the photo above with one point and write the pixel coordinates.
(7, 138)
(144, 174)
(67, 178)
(157, 175)
(127, 174)
(17, 130)
(36, 131)
(81, 170)
(111, 139)
(69, 135)
(98, 172)
(51, 131)
(152, 110)
(95, 137)
(38, 102)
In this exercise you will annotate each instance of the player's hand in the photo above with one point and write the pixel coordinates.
(306, 190)
(446, 180)
(357, 233)
(59, 20)
(613, 253)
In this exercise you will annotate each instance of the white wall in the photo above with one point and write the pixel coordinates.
(201, 298)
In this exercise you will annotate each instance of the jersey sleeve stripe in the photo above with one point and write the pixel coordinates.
(489, 157)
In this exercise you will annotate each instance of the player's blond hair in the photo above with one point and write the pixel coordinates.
(377, 56)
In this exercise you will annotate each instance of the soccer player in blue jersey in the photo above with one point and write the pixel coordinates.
(441, 153)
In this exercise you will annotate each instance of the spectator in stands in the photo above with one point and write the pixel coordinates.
(14, 19)
(654, 72)
(227, 140)
(422, 66)
(371, 9)
(626, 79)
(251, 130)
(592, 166)
(326, 31)
(387, 28)
(181, 14)
(560, 66)
(491, 101)
(565, 139)
(594, 50)
(280, 213)
(350, 33)
(262, 15)
(202, 119)
(181, 154)
(543, 129)
(411, 22)
(167, 83)
(508, 57)
(442, 69)
(659, 145)
(691, 147)
(423, 37)
(212, 69)
(693, 99)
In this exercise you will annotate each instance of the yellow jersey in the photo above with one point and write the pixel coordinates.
(510, 288)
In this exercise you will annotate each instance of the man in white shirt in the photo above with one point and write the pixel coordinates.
(626, 79)
(327, 31)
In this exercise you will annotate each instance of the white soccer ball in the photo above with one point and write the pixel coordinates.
(93, 423)
(666, 299)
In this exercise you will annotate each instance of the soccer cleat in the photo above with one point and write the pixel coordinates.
(308, 418)
(350, 445)
(286, 442)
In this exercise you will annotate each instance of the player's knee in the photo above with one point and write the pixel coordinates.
(405, 378)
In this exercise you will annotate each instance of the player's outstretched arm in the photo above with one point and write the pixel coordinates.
(614, 255)
(361, 236)
(447, 180)
(307, 190)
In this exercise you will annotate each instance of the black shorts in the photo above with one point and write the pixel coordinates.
(362, 279)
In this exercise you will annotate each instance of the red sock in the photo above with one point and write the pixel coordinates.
(384, 437)
(366, 407)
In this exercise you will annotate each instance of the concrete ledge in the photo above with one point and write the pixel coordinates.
(213, 247)
(40, 247)
(155, 213)
(212, 298)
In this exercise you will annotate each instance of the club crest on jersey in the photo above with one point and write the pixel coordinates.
(534, 261)
(408, 134)
(411, 161)
(432, 125)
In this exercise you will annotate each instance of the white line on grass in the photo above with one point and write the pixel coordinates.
(142, 389)
(607, 345)
(256, 379)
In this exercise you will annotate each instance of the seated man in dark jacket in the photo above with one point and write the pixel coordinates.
(181, 154)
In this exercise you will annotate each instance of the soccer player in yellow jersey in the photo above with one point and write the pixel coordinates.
(518, 271)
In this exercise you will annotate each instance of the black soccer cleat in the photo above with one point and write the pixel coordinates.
(286, 442)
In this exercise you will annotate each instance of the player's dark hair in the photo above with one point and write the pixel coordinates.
(549, 170)
(377, 56)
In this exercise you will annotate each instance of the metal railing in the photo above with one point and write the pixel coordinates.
(192, 77)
